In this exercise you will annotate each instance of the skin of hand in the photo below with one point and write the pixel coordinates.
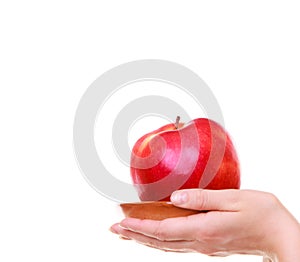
(237, 222)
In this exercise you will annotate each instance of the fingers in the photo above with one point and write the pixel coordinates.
(172, 229)
(200, 226)
(175, 246)
(201, 199)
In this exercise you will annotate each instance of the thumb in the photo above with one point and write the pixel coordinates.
(208, 200)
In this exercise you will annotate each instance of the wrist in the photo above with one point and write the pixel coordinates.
(286, 247)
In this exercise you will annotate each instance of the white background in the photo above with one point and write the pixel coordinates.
(246, 51)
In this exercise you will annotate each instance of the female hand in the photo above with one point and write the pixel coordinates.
(238, 222)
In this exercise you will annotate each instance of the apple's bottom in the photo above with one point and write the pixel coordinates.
(155, 210)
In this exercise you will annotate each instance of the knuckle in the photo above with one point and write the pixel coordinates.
(206, 249)
(272, 201)
(210, 235)
(159, 233)
(202, 199)
(268, 201)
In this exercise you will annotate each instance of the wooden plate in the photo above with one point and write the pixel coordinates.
(156, 210)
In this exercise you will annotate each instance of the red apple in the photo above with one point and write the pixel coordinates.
(199, 154)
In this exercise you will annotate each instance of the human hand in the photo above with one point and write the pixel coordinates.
(238, 222)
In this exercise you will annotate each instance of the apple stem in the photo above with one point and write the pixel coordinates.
(177, 122)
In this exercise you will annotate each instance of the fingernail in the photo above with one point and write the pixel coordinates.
(179, 197)
(113, 228)
(128, 223)
(124, 238)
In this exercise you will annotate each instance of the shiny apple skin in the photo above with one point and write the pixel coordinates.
(207, 149)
